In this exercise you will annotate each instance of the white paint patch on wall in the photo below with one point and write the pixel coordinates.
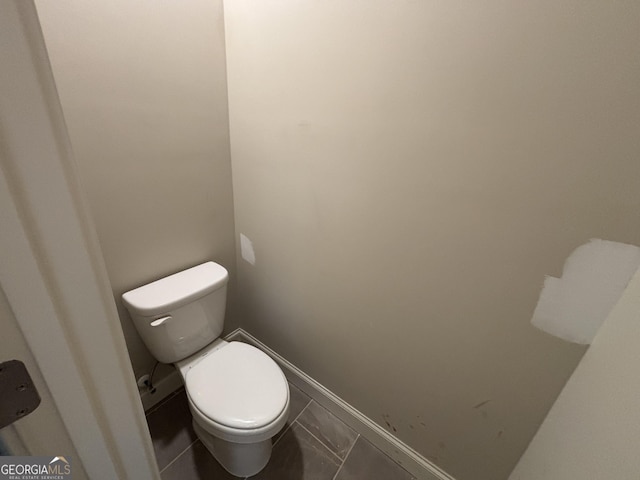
(246, 250)
(593, 429)
(593, 278)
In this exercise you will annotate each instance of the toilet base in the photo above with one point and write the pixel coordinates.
(239, 459)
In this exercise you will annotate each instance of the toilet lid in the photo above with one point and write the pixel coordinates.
(238, 386)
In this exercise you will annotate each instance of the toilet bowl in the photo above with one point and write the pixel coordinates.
(236, 427)
(238, 396)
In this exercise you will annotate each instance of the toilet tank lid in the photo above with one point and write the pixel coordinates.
(171, 292)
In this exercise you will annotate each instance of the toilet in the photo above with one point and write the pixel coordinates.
(238, 396)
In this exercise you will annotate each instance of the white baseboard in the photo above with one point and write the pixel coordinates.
(400, 452)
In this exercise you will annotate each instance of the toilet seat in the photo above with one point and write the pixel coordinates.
(239, 390)
(236, 435)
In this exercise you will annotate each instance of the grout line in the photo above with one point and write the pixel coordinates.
(303, 410)
(162, 402)
(335, 419)
(340, 461)
(178, 456)
(292, 422)
(346, 456)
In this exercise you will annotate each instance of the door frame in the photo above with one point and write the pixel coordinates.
(51, 266)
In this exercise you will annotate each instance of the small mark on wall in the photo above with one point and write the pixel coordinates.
(481, 404)
(385, 417)
(387, 422)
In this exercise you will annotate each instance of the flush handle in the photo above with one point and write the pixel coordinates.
(159, 321)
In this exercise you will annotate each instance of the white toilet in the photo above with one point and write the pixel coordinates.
(238, 396)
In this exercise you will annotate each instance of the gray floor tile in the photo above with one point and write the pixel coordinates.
(299, 456)
(196, 463)
(366, 462)
(328, 429)
(297, 401)
(170, 427)
(163, 401)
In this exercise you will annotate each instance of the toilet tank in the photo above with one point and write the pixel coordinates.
(178, 315)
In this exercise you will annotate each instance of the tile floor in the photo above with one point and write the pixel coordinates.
(313, 445)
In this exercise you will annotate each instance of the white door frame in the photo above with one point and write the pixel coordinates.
(51, 267)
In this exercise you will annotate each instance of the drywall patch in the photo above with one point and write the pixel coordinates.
(246, 250)
(593, 278)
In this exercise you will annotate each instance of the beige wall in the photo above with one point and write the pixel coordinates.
(408, 172)
(593, 429)
(143, 89)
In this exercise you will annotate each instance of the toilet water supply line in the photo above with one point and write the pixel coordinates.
(149, 382)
